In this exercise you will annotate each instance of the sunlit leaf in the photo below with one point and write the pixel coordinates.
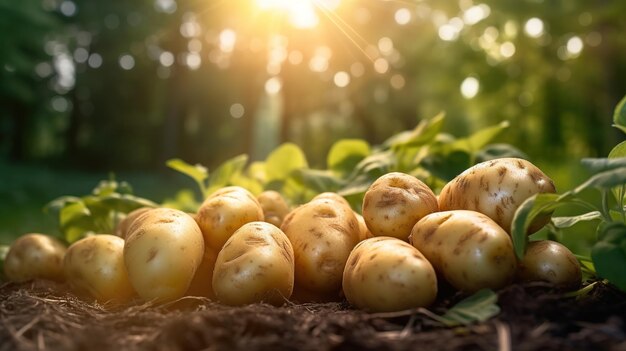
(251, 184)
(55, 206)
(424, 133)
(223, 174)
(566, 222)
(345, 154)
(618, 151)
(105, 187)
(184, 200)
(619, 116)
(478, 307)
(197, 172)
(535, 206)
(479, 139)
(284, 160)
(257, 171)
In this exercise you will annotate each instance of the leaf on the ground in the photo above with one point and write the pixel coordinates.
(478, 307)
(566, 222)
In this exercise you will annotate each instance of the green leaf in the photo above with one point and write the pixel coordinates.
(618, 151)
(608, 255)
(566, 222)
(619, 116)
(597, 165)
(284, 160)
(424, 133)
(319, 180)
(197, 172)
(4, 250)
(125, 203)
(447, 166)
(479, 139)
(345, 154)
(495, 151)
(535, 206)
(603, 180)
(55, 206)
(76, 221)
(478, 307)
(105, 187)
(222, 176)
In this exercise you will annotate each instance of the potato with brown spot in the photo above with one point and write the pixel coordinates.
(551, 262)
(385, 274)
(122, 227)
(255, 265)
(225, 211)
(467, 248)
(322, 232)
(94, 266)
(274, 206)
(497, 188)
(35, 256)
(163, 250)
(395, 202)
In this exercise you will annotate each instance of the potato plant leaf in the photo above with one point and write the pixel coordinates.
(124, 203)
(603, 180)
(566, 222)
(619, 116)
(319, 180)
(284, 160)
(478, 307)
(345, 154)
(479, 139)
(609, 254)
(424, 133)
(534, 206)
(619, 152)
(597, 165)
(197, 172)
(4, 250)
(222, 175)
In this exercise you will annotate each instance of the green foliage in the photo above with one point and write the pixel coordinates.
(608, 180)
(619, 116)
(478, 307)
(4, 250)
(97, 213)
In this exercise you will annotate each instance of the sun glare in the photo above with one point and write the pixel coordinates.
(301, 13)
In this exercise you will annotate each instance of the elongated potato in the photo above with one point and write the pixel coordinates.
(322, 232)
(35, 256)
(122, 227)
(551, 262)
(225, 211)
(163, 250)
(274, 207)
(94, 266)
(385, 274)
(497, 188)
(467, 248)
(255, 265)
(395, 202)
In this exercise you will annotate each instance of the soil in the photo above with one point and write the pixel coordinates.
(43, 316)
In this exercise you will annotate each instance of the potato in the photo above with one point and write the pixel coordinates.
(35, 256)
(274, 207)
(201, 285)
(122, 227)
(224, 212)
(163, 250)
(551, 262)
(385, 274)
(255, 265)
(467, 248)
(94, 266)
(322, 232)
(395, 202)
(364, 232)
(497, 188)
(331, 196)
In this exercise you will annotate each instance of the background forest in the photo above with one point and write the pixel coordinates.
(90, 87)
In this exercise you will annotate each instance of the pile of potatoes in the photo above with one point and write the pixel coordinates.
(241, 249)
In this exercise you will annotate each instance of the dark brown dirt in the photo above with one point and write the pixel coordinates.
(42, 316)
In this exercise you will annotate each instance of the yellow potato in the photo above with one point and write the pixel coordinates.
(395, 202)
(385, 274)
(94, 266)
(35, 256)
(255, 265)
(224, 212)
(274, 207)
(467, 248)
(331, 196)
(163, 250)
(122, 227)
(322, 232)
(551, 262)
(364, 232)
(497, 188)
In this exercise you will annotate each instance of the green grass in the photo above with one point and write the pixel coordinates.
(26, 189)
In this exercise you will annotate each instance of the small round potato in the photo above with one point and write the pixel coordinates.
(497, 188)
(322, 232)
(364, 232)
(331, 196)
(255, 265)
(163, 250)
(551, 262)
(122, 227)
(225, 211)
(201, 285)
(395, 202)
(35, 256)
(467, 248)
(94, 266)
(274, 206)
(385, 274)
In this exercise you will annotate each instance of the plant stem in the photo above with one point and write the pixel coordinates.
(605, 205)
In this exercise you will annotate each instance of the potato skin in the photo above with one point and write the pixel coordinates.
(162, 252)
(225, 211)
(551, 262)
(395, 202)
(385, 274)
(94, 266)
(467, 248)
(364, 232)
(201, 284)
(35, 256)
(274, 206)
(122, 227)
(497, 188)
(255, 265)
(322, 232)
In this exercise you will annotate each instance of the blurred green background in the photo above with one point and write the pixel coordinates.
(93, 87)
